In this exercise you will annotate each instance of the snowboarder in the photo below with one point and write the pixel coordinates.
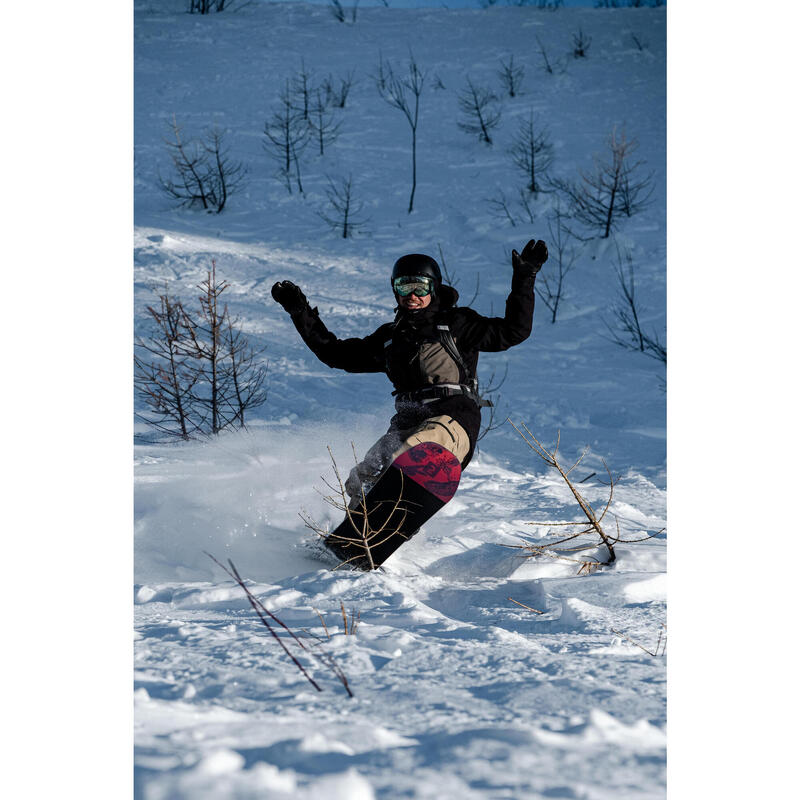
(430, 354)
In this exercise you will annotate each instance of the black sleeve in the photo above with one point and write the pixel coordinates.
(476, 332)
(351, 355)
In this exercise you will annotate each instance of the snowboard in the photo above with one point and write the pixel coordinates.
(417, 484)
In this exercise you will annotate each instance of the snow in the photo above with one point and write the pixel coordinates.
(458, 689)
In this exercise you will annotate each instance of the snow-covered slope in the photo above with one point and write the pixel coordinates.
(459, 691)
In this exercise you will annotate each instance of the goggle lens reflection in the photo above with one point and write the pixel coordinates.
(420, 285)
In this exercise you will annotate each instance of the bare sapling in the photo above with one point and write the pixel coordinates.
(339, 12)
(344, 212)
(403, 93)
(567, 546)
(209, 349)
(241, 372)
(165, 375)
(302, 85)
(231, 376)
(364, 538)
(480, 112)
(204, 173)
(207, 6)
(324, 126)
(580, 44)
(628, 331)
(197, 373)
(511, 76)
(266, 616)
(532, 153)
(616, 186)
(550, 286)
(286, 136)
(548, 66)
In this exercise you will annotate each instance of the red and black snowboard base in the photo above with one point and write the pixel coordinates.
(417, 485)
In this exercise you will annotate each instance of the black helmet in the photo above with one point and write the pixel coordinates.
(417, 264)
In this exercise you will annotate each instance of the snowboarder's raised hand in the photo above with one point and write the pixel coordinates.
(534, 254)
(289, 296)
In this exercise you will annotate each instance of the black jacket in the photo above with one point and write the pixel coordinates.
(395, 347)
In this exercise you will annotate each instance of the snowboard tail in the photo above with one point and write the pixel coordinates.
(416, 486)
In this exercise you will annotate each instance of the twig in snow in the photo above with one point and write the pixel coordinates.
(535, 610)
(263, 612)
(653, 653)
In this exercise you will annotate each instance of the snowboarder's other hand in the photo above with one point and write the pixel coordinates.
(527, 264)
(289, 296)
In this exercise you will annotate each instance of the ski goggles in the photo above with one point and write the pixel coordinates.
(420, 285)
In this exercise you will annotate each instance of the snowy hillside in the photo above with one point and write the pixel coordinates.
(459, 691)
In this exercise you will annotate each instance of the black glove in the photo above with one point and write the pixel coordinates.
(534, 254)
(289, 296)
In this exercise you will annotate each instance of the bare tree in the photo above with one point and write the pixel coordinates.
(616, 186)
(592, 524)
(303, 89)
(550, 286)
(204, 173)
(640, 43)
(345, 215)
(628, 332)
(230, 380)
(207, 6)
(550, 67)
(209, 350)
(339, 12)
(286, 135)
(165, 375)
(198, 375)
(511, 76)
(404, 94)
(241, 372)
(532, 152)
(225, 176)
(580, 44)
(324, 126)
(480, 112)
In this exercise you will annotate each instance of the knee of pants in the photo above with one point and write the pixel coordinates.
(442, 430)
